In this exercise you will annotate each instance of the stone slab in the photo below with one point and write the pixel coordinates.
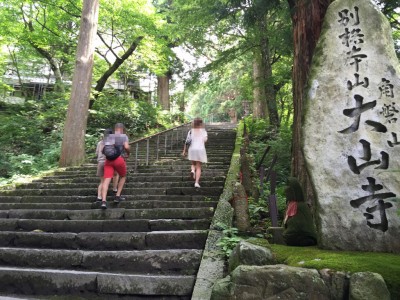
(350, 128)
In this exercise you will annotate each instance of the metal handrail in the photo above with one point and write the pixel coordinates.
(158, 133)
(172, 137)
(170, 140)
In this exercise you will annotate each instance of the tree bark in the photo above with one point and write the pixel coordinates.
(269, 91)
(73, 144)
(259, 103)
(307, 17)
(163, 91)
(101, 82)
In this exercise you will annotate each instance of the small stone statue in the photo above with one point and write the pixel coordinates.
(298, 223)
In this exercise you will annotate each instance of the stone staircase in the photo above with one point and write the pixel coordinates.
(56, 243)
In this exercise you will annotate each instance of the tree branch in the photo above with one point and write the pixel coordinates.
(77, 15)
(101, 82)
(107, 45)
(104, 56)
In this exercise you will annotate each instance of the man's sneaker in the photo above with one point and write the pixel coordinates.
(103, 205)
(115, 191)
(118, 199)
(196, 185)
(99, 199)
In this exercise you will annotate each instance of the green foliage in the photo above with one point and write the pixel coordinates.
(109, 109)
(260, 137)
(229, 240)
(224, 90)
(31, 136)
(138, 116)
(32, 132)
(227, 36)
(256, 210)
(386, 264)
(120, 24)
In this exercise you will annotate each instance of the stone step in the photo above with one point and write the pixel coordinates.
(56, 242)
(215, 155)
(212, 162)
(81, 283)
(99, 241)
(110, 214)
(212, 191)
(144, 172)
(215, 159)
(149, 168)
(214, 140)
(155, 178)
(177, 142)
(175, 168)
(128, 184)
(160, 262)
(138, 204)
(215, 136)
(93, 196)
(141, 225)
(87, 296)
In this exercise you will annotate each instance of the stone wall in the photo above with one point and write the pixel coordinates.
(253, 275)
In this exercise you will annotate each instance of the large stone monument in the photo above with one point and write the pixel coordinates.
(351, 130)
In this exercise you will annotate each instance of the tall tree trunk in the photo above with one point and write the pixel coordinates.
(270, 94)
(307, 18)
(73, 144)
(163, 91)
(101, 82)
(259, 103)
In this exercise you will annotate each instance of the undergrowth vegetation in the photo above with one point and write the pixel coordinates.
(261, 137)
(386, 264)
(31, 133)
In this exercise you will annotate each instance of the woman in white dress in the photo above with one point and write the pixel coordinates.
(197, 150)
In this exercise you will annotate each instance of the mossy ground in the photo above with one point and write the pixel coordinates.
(386, 264)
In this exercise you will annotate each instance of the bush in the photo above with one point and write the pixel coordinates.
(261, 136)
(31, 136)
(137, 116)
(229, 240)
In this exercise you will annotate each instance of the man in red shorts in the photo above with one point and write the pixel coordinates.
(119, 165)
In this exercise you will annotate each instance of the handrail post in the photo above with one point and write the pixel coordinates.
(165, 144)
(177, 138)
(136, 155)
(158, 146)
(147, 151)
